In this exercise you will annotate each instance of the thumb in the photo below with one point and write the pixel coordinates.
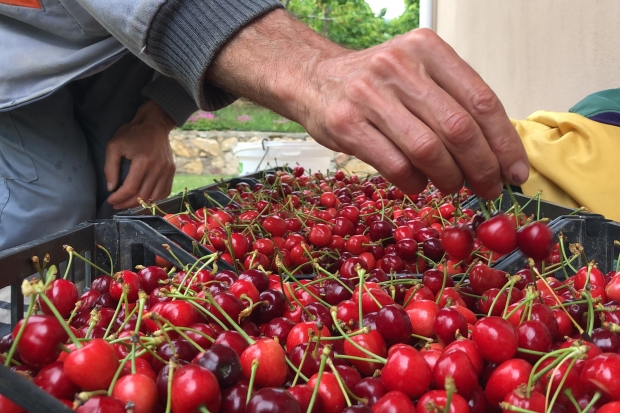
(112, 167)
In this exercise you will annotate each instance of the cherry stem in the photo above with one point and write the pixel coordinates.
(203, 409)
(345, 357)
(527, 300)
(360, 274)
(595, 398)
(118, 309)
(13, 348)
(443, 284)
(549, 404)
(512, 408)
(510, 284)
(577, 326)
(343, 387)
(255, 365)
(303, 358)
(333, 312)
(72, 336)
(569, 394)
(71, 251)
(315, 391)
(117, 374)
(590, 323)
(228, 318)
(171, 367)
(69, 263)
(185, 336)
(561, 354)
(483, 208)
(101, 247)
(126, 320)
(450, 387)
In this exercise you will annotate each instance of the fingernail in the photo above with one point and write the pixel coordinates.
(110, 186)
(519, 172)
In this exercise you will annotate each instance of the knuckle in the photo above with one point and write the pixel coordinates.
(484, 101)
(488, 173)
(399, 168)
(459, 127)
(427, 147)
(359, 88)
(339, 119)
(387, 60)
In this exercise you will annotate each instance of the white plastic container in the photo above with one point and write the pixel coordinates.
(256, 156)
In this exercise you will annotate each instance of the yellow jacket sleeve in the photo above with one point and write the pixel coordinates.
(574, 161)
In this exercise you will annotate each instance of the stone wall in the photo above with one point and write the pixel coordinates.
(210, 152)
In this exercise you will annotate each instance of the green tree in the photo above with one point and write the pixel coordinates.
(350, 23)
(409, 20)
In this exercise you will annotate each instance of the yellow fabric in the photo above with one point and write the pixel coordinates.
(574, 161)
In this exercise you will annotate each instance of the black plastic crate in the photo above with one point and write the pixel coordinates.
(595, 233)
(229, 184)
(195, 198)
(548, 209)
(129, 243)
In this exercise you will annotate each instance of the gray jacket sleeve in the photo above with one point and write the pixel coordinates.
(171, 97)
(179, 38)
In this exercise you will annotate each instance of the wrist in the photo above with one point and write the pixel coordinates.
(151, 112)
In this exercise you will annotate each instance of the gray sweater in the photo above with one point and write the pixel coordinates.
(52, 42)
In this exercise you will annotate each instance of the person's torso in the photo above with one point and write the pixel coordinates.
(45, 44)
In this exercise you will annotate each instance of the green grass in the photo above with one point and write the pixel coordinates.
(190, 182)
(242, 116)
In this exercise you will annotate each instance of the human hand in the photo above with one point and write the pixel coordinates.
(410, 107)
(145, 142)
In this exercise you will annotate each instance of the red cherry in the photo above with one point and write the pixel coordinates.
(600, 372)
(518, 398)
(63, 294)
(611, 407)
(194, 386)
(533, 335)
(394, 402)
(128, 278)
(496, 339)
(272, 367)
(393, 324)
(275, 225)
(330, 392)
(320, 235)
(39, 342)
(439, 398)
(536, 240)
(138, 389)
(93, 366)
(505, 378)
(371, 341)
(449, 322)
(422, 315)
(53, 379)
(102, 404)
(498, 234)
(458, 242)
(396, 374)
(457, 365)
(150, 277)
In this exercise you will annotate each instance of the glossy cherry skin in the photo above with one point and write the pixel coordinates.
(138, 389)
(483, 278)
(535, 402)
(371, 341)
(53, 379)
(280, 328)
(102, 404)
(457, 365)
(7, 406)
(601, 372)
(471, 349)
(233, 340)
(439, 399)
(396, 374)
(422, 315)
(128, 278)
(272, 400)
(611, 407)
(371, 389)
(303, 395)
(458, 242)
(39, 342)
(448, 323)
(233, 398)
(93, 366)
(533, 335)
(192, 387)
(394, 402)
(63, 294)
(505, 378)
(272, 367)
(536, 240)
(224, 363)
(393, 324)
(150, 278)
(498, 234)
(333, 400)
(496, 339)
(607, 341)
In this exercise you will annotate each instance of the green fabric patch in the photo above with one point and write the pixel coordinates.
(599, 102)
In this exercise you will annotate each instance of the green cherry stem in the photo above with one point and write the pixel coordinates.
(255, 364)
(333, 312)
(315, 391)
(13, 348)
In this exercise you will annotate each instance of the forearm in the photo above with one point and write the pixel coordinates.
(273, 62)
